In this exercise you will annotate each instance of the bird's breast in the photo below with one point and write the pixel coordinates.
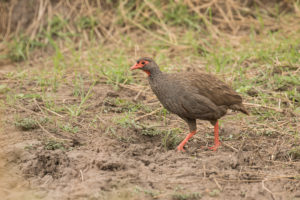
(167, 93)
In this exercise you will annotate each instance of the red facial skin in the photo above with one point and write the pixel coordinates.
(140, 65)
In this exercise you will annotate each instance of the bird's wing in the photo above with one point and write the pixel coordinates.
(198, 107)
(208, 86)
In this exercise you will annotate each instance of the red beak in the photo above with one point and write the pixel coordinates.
(136, 66)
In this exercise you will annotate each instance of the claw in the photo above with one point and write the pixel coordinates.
(180, 149)
(181, 145)
(215, 147)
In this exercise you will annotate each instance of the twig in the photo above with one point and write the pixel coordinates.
(51, 111)
(102, 120)
(81, 174)
(219, 179)
(273, 155)
(140, 26)
(25, 109)
(262, 106)
(204, 171)
(48, 179)
(143, 116)
(265, 188)
(230, 147)
(130, 87)
(138, 94)
(51, 135)
(242, 145)
(216, 182)
(172, 37)
(38, 105)
(10, 12)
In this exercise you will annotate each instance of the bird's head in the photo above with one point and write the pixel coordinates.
(147, 65)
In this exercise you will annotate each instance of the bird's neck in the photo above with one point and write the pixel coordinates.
(153, 73)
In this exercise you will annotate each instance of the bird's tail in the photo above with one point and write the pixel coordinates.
(239, 107)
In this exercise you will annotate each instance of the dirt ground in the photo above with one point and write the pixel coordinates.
(95, 165)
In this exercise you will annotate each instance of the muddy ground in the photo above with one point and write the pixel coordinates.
(109, 161)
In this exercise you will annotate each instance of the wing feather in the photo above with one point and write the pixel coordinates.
(208, 86)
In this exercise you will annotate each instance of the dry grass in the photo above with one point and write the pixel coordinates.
(107, 20)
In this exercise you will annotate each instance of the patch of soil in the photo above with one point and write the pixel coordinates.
(48, 163)
(95, 169)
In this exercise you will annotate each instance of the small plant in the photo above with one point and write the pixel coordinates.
(19, 48)
(188, 196)
(69, 128)
(214, 193)
(4, 88)
(150, 131)
(78, 85)
(75, 110)
(171, 138)
(53, 145)
(26, 124)
(152, 193)
(57, 25)
(125, 120)
(127, 105)
(29, 147)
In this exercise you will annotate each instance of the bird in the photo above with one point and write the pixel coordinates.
(192, 96)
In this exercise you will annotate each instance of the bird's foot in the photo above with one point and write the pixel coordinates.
(215, 147)
(180, 148)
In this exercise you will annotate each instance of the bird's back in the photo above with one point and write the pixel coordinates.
(209, 86)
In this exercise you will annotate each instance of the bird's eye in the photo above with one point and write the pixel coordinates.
(143, 63)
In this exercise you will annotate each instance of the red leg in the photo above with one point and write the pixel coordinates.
(180, 146)
(217, 142)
